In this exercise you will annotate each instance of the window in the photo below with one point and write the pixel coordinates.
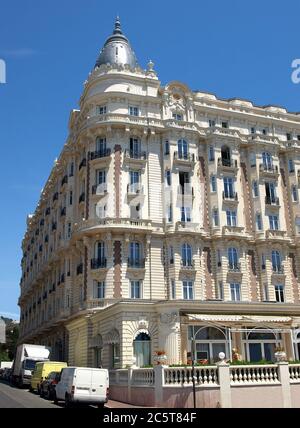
(273, 220)
(182, 149)
(133, 111)
(99, 290)
(258, 221)
(294, 193)
(171, 255)
(225, 154)
(276, 261)
(219, 258)
(270, 193)
(177, 116)
(167, 148)
(252, 160)
(231, 218)
(186, 255)
(188, 290)
(135, 179)
(221, 291)
(185, 214)
(267, 161)
(100, 176)
(184, 181)
(69, 230)
(297, 224)
(215, 216)
(135, 148)
(100, 251)
(70, 197)
(288, 136)
(253, 130)
(235, 292)
(224, 124)
(232, 258)
(101, 109)
(291, 166)
(255, 189)
(279, 293)
(213, 183)
(228, 188)
(266, 292)
(135, 289)
(298, 137)
(264, 131)
(100, 210)
(135, 254)
(211, 123)
(101, 146)
(170, 213)
(211, 154)
(168, 177)
(71, 169)
(173, 289)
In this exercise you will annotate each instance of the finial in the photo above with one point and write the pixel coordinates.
(117, 26)
(150, 65)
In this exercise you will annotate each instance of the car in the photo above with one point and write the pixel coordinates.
(82, 385)
(47, 388)
(42, 370)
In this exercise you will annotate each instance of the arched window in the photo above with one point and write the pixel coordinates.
(226, 158)
(276, 261)
(186, 255)
(142, 349)
(134, 254)
(232, 258)
(208, 343)
(267, 161)
(182, 149)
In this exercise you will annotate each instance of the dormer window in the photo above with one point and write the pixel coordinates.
(133, 111)
(101, 110)
(224, 124)
(211, 123)
(288, 136)
(177, 116)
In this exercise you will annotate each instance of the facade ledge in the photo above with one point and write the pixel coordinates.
(125, 224)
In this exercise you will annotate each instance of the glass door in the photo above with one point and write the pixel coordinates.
(255, 352)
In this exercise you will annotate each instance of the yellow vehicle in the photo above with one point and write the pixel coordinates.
(42, 370)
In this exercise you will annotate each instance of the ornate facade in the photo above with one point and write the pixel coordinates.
(170, 215)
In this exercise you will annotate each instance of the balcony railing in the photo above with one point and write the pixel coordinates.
(272, 201)
(227, 163)
(82, 163)
(99, 189)
(230, 196)
(81, 198)
(99, 154)
(187, 264)
(186, 190)
(136, 264)
(269, 169)
(79, 269)
(136, 155)
(64, 180)
(234, 267)
(279, 270)
(136, 188)
(188, 157)
(98, 263)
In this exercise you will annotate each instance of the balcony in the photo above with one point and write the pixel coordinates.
(275, 234)
(278, 270)
(228, 165)
(63, 212)
(100, 156)
(98, 263)
(81, 198)
(79, 269)
(135, 264)
(99, 189)
(234, 267)
(230, 197)
(82, 164)
(135, 158)
(268, 171)
(187, 265)
(272, 201)
(135, 189)
(184, 159)
(64, 180)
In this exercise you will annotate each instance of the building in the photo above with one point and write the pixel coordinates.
(2, 331)
(170, 215)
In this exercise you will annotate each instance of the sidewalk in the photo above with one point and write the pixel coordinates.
(118, 405)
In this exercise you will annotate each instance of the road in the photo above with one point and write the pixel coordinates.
(13, 398)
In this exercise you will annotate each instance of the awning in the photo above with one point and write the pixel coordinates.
(238, 318)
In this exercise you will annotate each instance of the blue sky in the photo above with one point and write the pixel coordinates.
(231, 48)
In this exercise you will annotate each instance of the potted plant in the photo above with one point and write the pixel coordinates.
(280, 354)
(160, 357)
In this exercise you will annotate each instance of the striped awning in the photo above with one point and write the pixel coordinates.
(238, 318)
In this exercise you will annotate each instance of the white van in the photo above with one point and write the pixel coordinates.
(82, 385)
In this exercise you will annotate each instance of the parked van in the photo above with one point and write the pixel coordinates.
(82, 385)
(42, 370)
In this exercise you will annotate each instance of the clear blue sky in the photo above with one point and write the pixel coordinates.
(231, 48)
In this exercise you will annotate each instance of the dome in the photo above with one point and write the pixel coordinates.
(117, 49)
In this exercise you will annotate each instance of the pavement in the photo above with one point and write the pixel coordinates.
(13, 398)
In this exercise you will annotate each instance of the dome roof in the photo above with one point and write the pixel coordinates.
(117, 49)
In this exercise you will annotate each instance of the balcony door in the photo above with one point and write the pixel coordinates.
(182, 149)
(101, 146)
(135, 148)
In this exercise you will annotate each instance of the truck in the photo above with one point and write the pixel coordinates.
(26, 357)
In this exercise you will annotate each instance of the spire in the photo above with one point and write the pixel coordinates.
(117, 49)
